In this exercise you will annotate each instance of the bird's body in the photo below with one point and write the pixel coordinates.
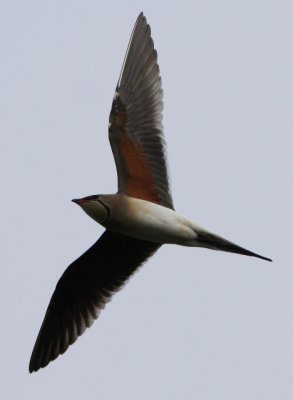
(144, 220)
(138, 219)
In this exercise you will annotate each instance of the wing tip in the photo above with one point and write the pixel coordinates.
(48, 348)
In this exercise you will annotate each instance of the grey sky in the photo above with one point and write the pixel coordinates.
(192, 324)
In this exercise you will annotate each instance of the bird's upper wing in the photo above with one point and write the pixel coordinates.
(84, 289)
(135, 128)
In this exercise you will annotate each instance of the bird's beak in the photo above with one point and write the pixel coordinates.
(77, 201)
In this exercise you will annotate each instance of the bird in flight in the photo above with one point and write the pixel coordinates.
(138, 219)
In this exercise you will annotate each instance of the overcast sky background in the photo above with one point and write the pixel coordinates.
(192, 324)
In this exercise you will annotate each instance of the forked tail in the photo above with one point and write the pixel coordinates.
(215, 242)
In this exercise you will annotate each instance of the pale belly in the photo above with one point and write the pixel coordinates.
(148, 221)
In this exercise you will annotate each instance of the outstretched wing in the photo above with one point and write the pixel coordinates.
(135, 128)
(84, 289)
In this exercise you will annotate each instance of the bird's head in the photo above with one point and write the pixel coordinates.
(95, 207)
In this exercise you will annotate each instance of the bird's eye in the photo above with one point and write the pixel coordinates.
(93, 197)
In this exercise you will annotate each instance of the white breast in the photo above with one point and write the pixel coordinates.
(148, 221)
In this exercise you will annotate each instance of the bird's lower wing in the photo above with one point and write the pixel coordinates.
(84, 289)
